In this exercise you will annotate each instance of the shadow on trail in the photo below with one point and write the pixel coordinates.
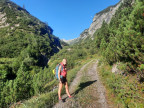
(81, 87)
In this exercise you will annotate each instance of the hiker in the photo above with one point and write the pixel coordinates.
(63, 80)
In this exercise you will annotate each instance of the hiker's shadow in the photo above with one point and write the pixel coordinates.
(81, 87)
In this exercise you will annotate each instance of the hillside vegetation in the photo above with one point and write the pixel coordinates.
(123, 39)
(26, 45)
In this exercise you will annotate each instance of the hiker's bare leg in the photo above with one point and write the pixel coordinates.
(60, 89)
(67, 89)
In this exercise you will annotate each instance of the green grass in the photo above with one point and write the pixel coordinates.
(41, 101)
(122, 91)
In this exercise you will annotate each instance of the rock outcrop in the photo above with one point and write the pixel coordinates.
(3, 20)
(105, 15)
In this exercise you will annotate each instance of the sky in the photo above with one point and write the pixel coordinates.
(68, 18)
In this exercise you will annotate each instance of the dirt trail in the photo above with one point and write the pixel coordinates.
(94, 86)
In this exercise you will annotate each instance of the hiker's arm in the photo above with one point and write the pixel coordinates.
(59, 72)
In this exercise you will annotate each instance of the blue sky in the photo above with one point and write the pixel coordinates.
(68, 18)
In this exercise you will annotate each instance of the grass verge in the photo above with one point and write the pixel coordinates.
(122, 91)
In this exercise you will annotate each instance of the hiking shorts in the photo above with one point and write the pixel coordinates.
(63, 80)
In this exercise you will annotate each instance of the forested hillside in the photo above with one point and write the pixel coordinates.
(26, 45)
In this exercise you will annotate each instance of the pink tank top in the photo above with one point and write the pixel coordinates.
(64, 72)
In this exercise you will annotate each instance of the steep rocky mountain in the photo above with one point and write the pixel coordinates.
(105, 15)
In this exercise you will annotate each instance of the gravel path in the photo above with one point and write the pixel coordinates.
(95, 88)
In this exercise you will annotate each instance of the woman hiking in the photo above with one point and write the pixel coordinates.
(63, 80)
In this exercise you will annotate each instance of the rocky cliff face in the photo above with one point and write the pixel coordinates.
(105, 15)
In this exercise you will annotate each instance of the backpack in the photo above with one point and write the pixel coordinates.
(55, 71)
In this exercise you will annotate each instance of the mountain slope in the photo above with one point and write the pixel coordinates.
(26, 45)
(18, 25)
